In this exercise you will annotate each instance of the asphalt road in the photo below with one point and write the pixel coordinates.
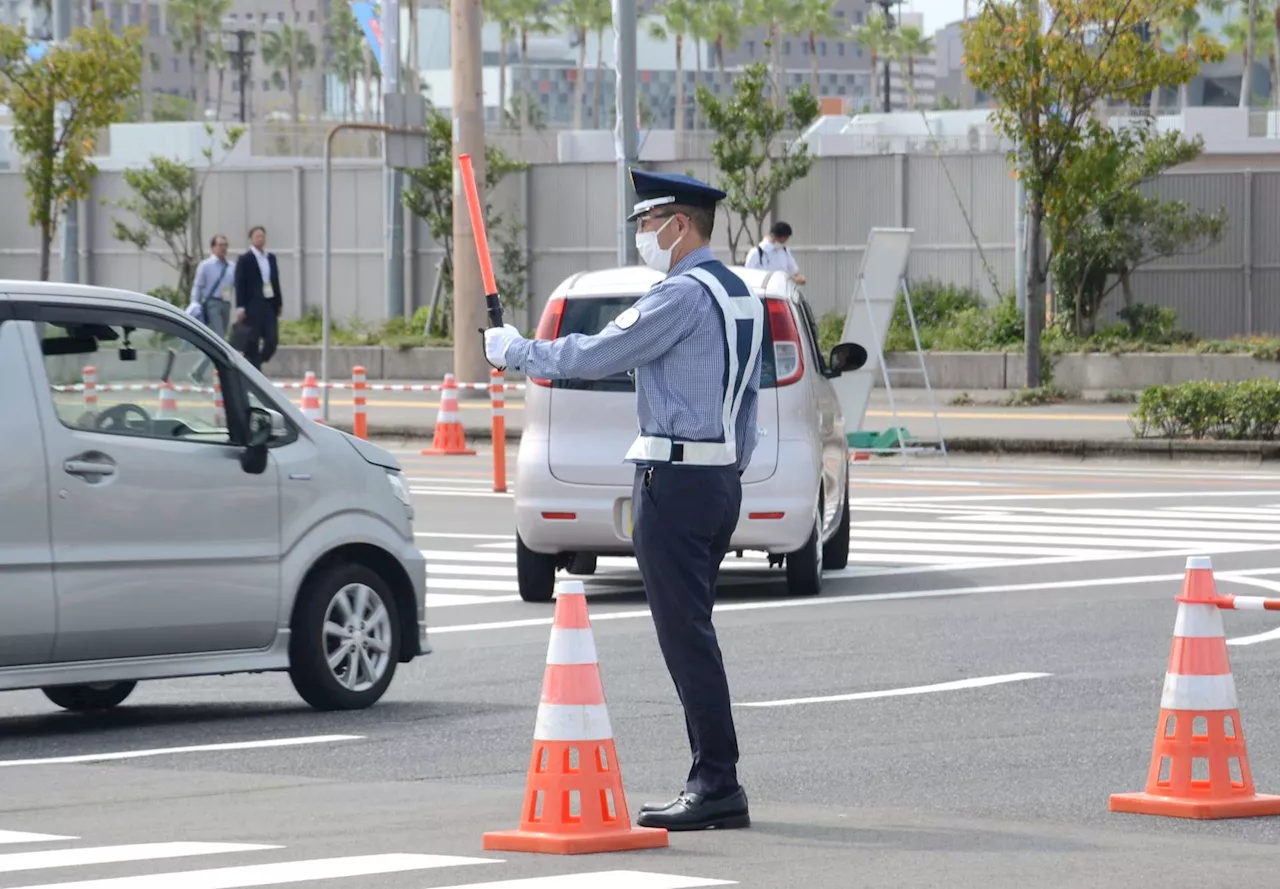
(418, 410)
(1039, 595)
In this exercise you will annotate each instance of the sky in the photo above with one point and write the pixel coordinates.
(939, 13)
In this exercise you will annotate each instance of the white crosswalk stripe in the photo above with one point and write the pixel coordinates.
(889, 538)
(314, 871)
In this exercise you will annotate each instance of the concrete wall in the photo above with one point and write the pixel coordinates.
(960, 206)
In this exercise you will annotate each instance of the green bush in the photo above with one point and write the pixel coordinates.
(1239, 411)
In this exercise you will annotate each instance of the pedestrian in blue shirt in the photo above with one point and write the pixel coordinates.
(694, 343)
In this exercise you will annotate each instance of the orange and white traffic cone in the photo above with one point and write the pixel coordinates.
(219, 407)
(359, 421)
(1199, 722)
(449, 437)
(91, 389)
(311, 398)
(168, 401)
(574, 764)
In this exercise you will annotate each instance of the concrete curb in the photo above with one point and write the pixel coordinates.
(1173, 449)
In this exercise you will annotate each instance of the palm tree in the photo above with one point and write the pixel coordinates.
(677, 21)
(724, 21)
(289, 49)
(500, 12)
(601, 20)
(816, 18)
(909, 43)
(876, 38)
(195, 22)
(1262, 33)
(778, 17)
(528, 17)
(345, 43)
(577, 16)
(1246, 77)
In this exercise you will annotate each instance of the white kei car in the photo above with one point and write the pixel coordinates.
(573, 495)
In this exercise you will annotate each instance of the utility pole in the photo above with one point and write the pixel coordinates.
(626, 131)
(394, 179)
(70, 252)
(469, 364)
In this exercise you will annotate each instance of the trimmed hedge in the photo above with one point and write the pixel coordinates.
(1241, 411)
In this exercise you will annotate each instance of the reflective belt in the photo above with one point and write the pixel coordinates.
(733, 311)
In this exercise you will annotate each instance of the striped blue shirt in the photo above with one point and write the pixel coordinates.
(676, 348)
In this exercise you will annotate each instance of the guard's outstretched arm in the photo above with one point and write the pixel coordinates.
(659, 319)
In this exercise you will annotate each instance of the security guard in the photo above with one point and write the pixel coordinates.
(694, 343)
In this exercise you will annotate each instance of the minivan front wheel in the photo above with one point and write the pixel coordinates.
(345, 642)
(98, 696)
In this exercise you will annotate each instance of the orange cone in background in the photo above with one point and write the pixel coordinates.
(1199, 736)
(449, 437)
(311, 398)
(219, 406)
(168, 400)
(90, 388)
(574, 801)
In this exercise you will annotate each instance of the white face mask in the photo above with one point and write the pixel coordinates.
(654, 256)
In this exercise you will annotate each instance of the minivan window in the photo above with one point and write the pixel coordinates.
(123, 375)
(591, 315)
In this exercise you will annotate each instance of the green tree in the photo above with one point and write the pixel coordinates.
(345, 43)
(1046, 78)
(778, 18)
(528, 17)
(580, 17)
(724, 23)
(428, 194)
(677, 21)
(908, 43)
(1119, 228)
(167, 205)
(754, 168)
(815, 19)
(877, 39)
(58, 104)
(503, 14)
(288, 52)
(197, 29)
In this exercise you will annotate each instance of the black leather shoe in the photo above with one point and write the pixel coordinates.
(658, 807)
(693, 811)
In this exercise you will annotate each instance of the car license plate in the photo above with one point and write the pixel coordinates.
(627, 518)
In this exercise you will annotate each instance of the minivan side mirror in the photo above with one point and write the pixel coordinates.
(265, 425)
(847, 357)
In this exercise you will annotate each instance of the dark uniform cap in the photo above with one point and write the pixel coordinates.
(656, 189)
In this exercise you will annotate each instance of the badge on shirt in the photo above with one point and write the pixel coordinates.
(627, 318)
(268, 292)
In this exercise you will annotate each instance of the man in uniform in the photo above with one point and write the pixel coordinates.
(694, 343)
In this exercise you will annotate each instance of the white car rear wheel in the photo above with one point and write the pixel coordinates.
(835, 552)
(804, 566)
(535, 573)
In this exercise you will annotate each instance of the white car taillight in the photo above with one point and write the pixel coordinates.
(788, 357)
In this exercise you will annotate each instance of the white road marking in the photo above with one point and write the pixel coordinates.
(278, 873)
(452, 492)
(874, 480)
(506, 544)
(448, 600)
(1010, 528)
(510, 537)
(166, 751)
(15, 862)
(1227, 577)
(447, 480)
(14, 837)
(1118, 495)
(613, 879)
(855, 599)
(957, 685)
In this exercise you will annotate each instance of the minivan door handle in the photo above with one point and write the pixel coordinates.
(89, 466)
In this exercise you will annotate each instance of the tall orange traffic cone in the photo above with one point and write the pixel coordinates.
(1199, 722)
(311, 398)
(449, 436)
(574, 765)
(168, 400)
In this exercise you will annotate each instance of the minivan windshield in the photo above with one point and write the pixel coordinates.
(591, 315)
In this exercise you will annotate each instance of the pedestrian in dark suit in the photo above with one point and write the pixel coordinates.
(258, 299)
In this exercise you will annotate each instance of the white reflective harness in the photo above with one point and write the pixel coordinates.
(722, 452)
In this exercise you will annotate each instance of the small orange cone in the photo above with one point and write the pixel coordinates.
(574, 764)
(449, 437)
(168, 401)
(1199, 722)
(311, 398)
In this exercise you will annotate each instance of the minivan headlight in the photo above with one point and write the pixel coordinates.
(398, 488)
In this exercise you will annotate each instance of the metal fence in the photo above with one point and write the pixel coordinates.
(960, 205)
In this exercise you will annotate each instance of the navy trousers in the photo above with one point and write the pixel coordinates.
(684, 518)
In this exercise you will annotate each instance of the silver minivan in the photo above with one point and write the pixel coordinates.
(168, 513)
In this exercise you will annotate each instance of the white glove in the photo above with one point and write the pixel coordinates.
(496, 342)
